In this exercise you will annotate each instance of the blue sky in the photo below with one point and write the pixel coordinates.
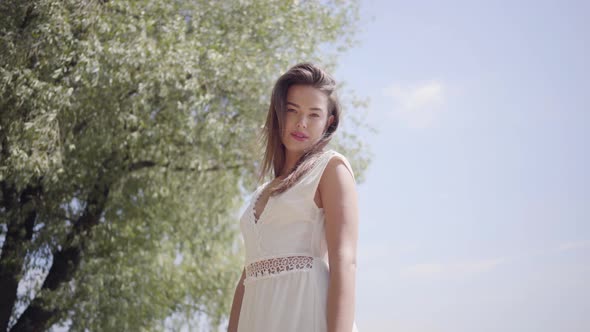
(475, 213)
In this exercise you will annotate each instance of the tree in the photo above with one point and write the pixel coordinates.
(128, 134)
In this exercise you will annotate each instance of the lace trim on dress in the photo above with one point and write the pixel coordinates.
(274, 266)
(254, 206)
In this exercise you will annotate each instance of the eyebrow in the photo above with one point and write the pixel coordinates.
(313, 108)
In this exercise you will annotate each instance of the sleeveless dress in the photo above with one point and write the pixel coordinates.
(287, 272)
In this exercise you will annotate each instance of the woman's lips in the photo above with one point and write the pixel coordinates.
(298, 138)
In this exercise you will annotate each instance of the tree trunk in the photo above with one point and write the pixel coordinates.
(37, 317)
(20, 232)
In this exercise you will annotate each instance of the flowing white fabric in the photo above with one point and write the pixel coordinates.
(287, 272)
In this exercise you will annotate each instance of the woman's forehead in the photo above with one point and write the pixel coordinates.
(306, 97)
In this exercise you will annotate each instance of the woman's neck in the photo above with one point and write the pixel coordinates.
(291, 159)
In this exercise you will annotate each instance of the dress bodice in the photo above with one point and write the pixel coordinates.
(291, 223)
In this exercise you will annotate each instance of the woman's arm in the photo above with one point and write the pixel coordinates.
(236, 304)
(339, 200)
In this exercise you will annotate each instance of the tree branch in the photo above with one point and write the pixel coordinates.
(149, 163)
(29, 16)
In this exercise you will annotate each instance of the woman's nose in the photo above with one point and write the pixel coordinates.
(301, 122)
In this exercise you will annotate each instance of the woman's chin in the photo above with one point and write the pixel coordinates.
(296, 148)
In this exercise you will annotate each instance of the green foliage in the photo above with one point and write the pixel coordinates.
(155, 105)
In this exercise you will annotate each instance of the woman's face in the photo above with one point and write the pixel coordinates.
(306, 118)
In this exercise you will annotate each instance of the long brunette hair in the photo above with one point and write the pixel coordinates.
(274, 155)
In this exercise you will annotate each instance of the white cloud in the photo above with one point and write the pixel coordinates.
(450, 270)
(417, 105)
(574, 245)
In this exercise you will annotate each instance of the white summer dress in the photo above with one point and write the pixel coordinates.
(287, 272)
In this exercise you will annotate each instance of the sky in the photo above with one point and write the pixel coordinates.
(475, 211)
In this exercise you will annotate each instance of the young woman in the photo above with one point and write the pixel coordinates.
(300, 230)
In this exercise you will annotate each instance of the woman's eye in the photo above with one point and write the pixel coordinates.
(290, 110)
(315, 115)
